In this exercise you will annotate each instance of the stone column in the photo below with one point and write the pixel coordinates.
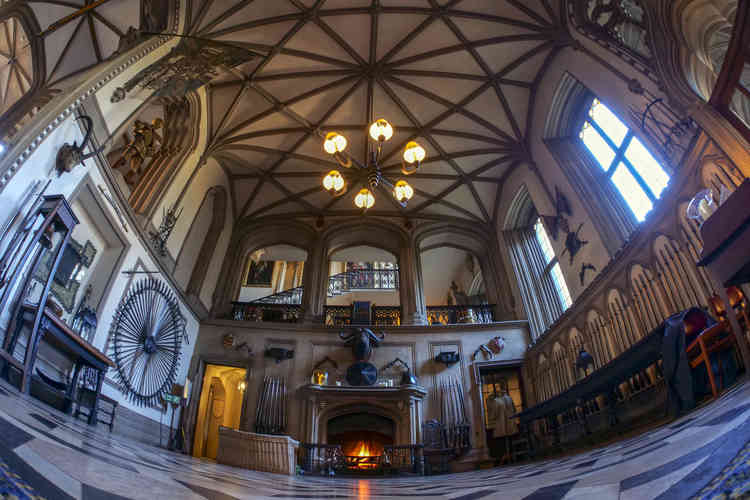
(410, 287)
(497, 280)
(315, 283)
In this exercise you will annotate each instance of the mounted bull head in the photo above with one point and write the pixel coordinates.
(69, 156)
(362, 341)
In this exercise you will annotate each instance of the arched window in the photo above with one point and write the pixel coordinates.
(552, 270)
(625, 160)
(543, 289)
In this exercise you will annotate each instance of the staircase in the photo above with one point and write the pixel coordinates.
(339, 284)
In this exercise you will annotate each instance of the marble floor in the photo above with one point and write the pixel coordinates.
(703, 454)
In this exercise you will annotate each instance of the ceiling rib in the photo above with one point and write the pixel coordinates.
(374, 83)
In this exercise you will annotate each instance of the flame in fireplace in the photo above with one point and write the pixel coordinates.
(363, 450)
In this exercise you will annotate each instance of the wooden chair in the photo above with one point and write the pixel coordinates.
(737, 301)
(436, 454)
(709, 340)
(105, 412)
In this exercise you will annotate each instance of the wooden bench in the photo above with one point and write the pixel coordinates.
(105, 414)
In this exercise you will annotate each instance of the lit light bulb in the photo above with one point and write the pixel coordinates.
(334, 143)
(403, 191)
(364, 199)
(381, 130)
(414, 153)
(333, 182)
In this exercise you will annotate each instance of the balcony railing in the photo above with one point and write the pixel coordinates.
(363, 279)
(337, 316)
(252, 311)
(452, 315)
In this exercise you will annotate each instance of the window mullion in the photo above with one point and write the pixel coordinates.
(639, 180)
(604, 135)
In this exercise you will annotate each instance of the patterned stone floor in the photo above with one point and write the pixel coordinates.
(61, 459)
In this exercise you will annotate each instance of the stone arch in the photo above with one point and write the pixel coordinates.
(644, 297)
(218, 222)
(196, 253)
(521, 209)
(560, 365)
(717, 172)
(475, 243)
(372, 408)
(251, 236)
(682, 274)
(542, 376)
(603, 350)
(372, 232)
(380, 234)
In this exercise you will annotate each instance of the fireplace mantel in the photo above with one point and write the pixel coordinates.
(401, 404)
(333, 392)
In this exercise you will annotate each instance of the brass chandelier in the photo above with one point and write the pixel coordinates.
(380, 132)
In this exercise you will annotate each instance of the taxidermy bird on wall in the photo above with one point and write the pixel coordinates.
(585, 267)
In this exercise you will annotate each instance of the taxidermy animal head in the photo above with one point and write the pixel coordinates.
(69, 156)
(362, 341)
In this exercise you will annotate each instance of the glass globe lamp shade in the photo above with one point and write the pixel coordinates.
(334, 143)
(403, 191)
(333, 182)
(364, 199)
(381, 130)
(414, 153)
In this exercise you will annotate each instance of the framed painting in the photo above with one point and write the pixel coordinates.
(259, 274)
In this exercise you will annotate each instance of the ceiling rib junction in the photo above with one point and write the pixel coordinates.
(459, 77)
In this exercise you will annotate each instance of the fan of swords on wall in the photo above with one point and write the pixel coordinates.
(271, 417)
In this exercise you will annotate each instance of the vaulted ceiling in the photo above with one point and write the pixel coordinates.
(459, 77)
(86, 39)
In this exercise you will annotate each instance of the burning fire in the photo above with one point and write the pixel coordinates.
(363, 450)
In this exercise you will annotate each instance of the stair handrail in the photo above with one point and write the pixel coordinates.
(344, 280)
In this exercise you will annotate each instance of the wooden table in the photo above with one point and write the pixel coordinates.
(57, 334)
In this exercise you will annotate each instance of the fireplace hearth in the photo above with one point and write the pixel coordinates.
(362, 430)
(362, 437)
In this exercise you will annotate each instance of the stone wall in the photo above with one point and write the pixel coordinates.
(416, 345)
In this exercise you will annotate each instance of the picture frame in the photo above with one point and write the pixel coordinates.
(259, 274)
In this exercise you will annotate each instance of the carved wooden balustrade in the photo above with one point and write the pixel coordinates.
(651, 278)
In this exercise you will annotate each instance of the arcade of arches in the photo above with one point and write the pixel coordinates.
(211, 262)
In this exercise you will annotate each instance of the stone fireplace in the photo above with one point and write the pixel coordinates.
(362, 437)
(373, 416)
